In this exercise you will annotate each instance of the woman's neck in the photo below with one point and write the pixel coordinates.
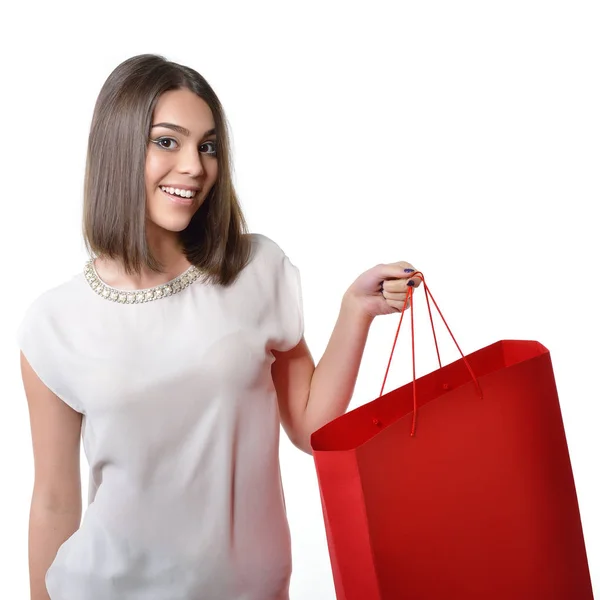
(168, 252)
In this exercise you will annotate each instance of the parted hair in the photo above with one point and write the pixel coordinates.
(114, 199)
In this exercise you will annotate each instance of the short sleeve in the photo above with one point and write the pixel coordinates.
(290, 309)
(281, 288)
(38, 339)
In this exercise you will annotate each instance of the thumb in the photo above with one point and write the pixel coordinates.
(397, 270)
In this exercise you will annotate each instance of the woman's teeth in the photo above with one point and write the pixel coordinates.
(178, 192)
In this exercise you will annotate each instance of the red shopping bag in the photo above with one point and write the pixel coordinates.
(478, 504)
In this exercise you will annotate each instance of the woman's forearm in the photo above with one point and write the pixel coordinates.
(334, 379)
(48, 529)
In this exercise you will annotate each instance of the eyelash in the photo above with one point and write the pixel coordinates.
(157, 141)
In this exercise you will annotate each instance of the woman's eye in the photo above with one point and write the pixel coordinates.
(168, 143)
(165, 142)
(214, 147)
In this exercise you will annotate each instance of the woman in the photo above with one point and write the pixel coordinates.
(176, 354)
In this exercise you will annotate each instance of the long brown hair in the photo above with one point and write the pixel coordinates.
(114, 205)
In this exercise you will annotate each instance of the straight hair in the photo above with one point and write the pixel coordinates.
(114, 199)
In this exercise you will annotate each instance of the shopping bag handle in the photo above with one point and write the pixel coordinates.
(408, 299)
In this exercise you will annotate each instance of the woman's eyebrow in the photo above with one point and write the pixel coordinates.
(181, 129)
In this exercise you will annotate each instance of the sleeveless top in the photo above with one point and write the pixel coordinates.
(180, 429)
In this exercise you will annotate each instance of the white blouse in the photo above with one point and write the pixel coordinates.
(181, 432)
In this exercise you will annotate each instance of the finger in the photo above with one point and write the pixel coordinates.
(397, 270)
(400, 286)
(398, 297)
(417, 280)
(399, 306)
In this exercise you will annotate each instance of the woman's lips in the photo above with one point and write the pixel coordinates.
(178, 199)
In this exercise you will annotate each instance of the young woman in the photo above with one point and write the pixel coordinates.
(176, 354)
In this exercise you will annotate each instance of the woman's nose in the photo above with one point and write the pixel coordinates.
(190, 162)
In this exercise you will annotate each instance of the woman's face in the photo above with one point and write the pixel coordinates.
(181, 162)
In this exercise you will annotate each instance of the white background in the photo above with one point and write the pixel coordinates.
(460, 136)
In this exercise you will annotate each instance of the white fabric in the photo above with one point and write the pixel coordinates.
(181, 432)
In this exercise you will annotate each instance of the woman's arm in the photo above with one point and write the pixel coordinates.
(55, 512)
(310, 397)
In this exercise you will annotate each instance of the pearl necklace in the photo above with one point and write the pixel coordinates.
(138, 296)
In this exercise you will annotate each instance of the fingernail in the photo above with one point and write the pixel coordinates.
(409, 270)
(411, 283)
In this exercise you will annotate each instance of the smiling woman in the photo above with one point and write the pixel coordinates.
(177, 354)
(157, 124)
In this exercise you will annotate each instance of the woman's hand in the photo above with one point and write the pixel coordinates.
(382, 289)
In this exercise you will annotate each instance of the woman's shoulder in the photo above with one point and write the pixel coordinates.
(57, 299)
(265, 246)
(269, 262)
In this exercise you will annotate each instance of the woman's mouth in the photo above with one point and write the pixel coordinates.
(185, 197)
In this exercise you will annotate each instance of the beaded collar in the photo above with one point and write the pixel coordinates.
(138, 296)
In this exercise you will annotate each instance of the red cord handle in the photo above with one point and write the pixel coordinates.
(408, 298)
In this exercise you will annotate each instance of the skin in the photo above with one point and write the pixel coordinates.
(309, 396)
(55, 510)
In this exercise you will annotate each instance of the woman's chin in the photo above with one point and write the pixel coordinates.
(170, 223)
